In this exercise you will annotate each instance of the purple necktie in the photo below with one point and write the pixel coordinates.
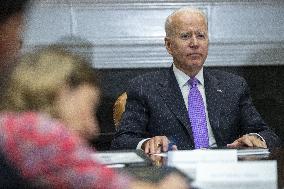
(197, 116)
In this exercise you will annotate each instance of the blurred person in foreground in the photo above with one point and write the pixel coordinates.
(58, 83)
(11, 23)
(45, 151)
(188, 104)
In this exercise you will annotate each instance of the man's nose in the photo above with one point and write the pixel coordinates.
(193, 42)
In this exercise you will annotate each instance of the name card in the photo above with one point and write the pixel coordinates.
(188, 160)
(240, 175)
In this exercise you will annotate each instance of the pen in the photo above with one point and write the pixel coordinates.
(170, 145)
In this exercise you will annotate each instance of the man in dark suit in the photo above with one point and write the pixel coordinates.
(188, 104)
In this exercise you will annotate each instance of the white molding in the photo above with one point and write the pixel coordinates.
(155, 55)
(135, 39)
(153, 4)
(152, 1)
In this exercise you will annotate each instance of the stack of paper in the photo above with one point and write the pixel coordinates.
(220, 169)
(188, 160)
(119, 159)
(252, 151)
(241, 175)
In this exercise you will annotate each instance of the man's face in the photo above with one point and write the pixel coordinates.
(188, 43)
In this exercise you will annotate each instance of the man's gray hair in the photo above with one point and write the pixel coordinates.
(168, 23)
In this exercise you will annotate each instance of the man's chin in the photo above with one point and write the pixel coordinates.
(195, 64)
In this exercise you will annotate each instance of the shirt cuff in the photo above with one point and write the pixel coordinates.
(139, 146)
(258, 136)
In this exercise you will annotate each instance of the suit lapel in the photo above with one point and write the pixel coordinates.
(171, 94)
(214, 96)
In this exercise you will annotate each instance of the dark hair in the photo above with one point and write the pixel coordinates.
(10, 7)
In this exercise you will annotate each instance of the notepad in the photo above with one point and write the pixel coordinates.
(113, 158)
(121, 158)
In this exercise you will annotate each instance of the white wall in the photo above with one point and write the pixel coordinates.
(129, 33)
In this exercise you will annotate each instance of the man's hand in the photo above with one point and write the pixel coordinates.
(157, 144)
(248, 141)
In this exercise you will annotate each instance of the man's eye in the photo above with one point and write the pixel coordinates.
(185, 36)
(201, 36)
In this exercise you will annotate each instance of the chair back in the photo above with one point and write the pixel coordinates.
(118, 109)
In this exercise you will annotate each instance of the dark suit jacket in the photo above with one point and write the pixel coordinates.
(155, 107)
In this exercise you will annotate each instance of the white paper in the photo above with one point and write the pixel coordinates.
(241, 175)
(161, 154)
(117, 157)
(253, 151)
(204, 156)
(188, 160)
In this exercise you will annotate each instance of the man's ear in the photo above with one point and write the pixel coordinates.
(168, 45)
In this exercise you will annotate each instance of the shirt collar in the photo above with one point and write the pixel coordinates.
(182, 78)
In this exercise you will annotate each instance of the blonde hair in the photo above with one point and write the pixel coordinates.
(38, 77)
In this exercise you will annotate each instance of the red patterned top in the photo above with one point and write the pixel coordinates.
(48, 154)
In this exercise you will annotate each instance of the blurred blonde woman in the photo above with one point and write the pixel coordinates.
(50, 152)
(58, 83)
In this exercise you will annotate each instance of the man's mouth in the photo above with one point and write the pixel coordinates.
(194, 55)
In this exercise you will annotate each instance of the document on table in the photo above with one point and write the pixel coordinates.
(206, 155)
(240, 175)
(188, 160)
(118, 157)
(252, 151)
(161, 154)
